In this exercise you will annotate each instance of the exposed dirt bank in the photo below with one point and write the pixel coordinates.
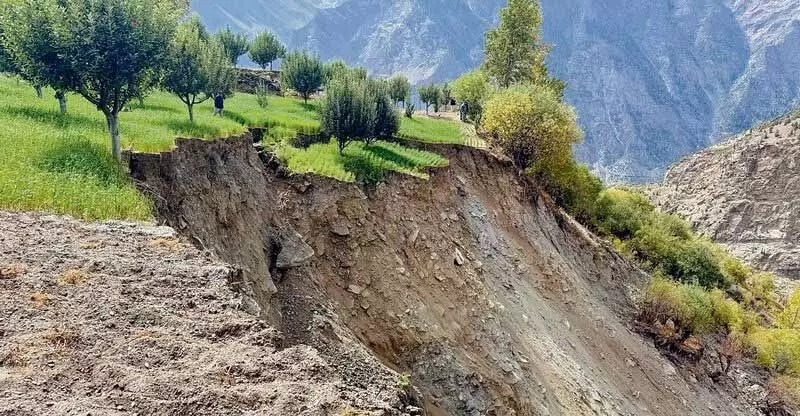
(490, 298)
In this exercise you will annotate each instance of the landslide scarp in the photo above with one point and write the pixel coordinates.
(473, 282)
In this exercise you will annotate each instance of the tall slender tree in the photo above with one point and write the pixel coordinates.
(514, 51)
(399, 89)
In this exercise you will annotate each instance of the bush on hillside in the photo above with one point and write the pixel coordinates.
(790, 317)
(621, 213)
(692, 308)
(409, 110)
(530, 124)
(777, 349)
(575, 189)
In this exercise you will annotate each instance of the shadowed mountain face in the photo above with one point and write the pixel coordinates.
(652, 81)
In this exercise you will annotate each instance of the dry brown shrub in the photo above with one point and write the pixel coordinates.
(12, 270)
(40, 299)
(62, 337)
(73, 277)
(169, 244)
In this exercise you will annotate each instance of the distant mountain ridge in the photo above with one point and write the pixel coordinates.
(652, 81)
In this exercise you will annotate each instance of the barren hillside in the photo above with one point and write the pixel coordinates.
(491, 299)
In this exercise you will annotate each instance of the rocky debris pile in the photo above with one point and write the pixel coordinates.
(249, 79)
(126, 319)
(744, 193)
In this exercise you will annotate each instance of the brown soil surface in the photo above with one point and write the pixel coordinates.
(122, 319)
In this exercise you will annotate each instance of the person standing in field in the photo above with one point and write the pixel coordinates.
(219, 105)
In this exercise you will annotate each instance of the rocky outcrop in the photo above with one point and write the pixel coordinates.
(491, 299)
(652, 81)
(745, 193)
(248, 80)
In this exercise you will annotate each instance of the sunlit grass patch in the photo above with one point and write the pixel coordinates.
(359, 161)
(431, 130)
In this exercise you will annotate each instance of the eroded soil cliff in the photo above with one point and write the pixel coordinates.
(472, 282)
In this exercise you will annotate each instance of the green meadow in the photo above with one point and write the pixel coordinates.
(62, 163)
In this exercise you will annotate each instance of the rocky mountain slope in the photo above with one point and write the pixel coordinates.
(473, 283)
(745, 193)
(652, 81)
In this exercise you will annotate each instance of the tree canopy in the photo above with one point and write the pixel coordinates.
(104, 50)
(265, 49)
(198, 66)
(399, 89)
(514, 50)
(430, 95)
(234, 44)
(303, 73)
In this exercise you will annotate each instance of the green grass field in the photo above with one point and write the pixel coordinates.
(62, 164)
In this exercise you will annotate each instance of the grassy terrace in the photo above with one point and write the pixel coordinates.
(62, 164)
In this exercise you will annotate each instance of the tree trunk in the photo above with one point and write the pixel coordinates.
(38, 89)
(62, 102)
(112, 120)
(270, 66)
(141, 101)
(191, 112)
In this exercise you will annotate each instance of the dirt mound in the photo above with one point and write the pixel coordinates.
(494, 301)
(118, 318)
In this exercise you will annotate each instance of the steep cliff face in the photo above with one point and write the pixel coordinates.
(745, 193)
(472, 282)
(652, 81)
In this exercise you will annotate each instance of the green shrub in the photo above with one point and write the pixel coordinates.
(790, 317)
(533, 126)
(692, 308)
(734, 270)
(262, 95)
(409, 110)
(777, 349)
(575, 189)
(621, 213)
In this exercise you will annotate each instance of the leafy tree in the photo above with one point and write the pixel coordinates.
(338, 67)
(447, 95)
(30, 46)
(265, 49)
(198, 66)
(105, 50)
(533, 126)
(348, 110)
(387, 121)
(472, 88)
(303, 73)
(234, 44)
(399, 89)
(514, 51)
(430, 95)
(334, 68)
